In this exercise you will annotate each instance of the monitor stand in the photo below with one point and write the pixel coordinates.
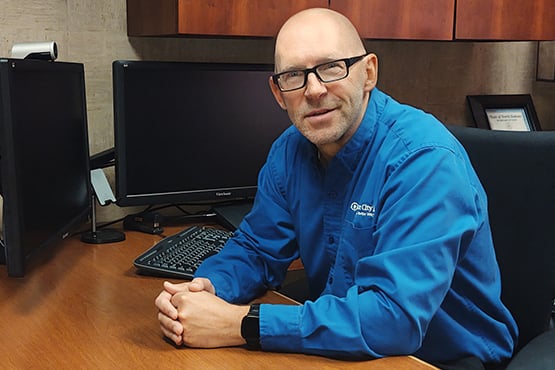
(231, 215)
(103, 235)
(103, 193)
(2, 252)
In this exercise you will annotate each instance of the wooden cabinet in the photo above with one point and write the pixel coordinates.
(259, 18)
(505, 20)
(400, 19)
(450, 19)
(375, 19)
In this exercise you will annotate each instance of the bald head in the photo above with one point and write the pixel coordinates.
(317, 32)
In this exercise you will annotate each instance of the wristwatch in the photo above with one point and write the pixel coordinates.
(250, 327)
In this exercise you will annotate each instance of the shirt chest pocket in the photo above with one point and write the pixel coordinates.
(358, 231)
(360, 215)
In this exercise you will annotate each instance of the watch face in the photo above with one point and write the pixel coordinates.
(250, 327)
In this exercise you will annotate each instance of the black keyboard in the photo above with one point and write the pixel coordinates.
(181, 254)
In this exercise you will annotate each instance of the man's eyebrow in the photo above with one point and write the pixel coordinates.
(301, 68)
(292, 68)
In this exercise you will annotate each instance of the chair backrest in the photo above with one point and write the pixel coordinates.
(517, 170)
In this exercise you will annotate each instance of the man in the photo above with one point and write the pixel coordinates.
(383, 208)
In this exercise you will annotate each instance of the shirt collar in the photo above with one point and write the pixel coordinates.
(352, 151)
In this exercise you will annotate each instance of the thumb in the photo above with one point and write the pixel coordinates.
(200, 284)
(174, 288)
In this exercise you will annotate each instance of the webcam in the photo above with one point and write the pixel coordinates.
(47, 50)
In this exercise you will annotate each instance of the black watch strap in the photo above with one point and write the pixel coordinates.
(250, 327)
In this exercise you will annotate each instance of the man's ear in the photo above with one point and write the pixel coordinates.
(372, 71)
(277, 93)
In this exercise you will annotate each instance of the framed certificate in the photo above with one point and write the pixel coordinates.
(504, 112)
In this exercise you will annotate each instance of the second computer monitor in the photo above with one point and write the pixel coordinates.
(187, 132)
(44, 156)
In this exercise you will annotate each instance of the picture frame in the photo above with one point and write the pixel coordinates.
(504, 112)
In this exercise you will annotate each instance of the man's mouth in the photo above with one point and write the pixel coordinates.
(319, 112)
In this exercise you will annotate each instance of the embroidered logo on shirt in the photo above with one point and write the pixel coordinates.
(363, 209)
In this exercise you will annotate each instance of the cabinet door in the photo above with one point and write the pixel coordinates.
(239, 17)
(151, 18)
(400, 19)
(212, 17)
(505, 20)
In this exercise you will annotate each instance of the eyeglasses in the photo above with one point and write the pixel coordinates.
(326, 72)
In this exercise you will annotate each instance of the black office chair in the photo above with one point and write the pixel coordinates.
(517, 170)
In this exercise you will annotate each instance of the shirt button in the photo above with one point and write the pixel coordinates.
(331, 240)
(332, 195)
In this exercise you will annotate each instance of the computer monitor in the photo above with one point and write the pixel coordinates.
(44, 156)
(190, 132)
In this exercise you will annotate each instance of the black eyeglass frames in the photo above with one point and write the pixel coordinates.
(326, 72)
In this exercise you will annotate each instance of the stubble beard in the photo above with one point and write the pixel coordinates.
(334, 132)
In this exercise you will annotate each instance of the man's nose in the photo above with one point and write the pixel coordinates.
(314, 86)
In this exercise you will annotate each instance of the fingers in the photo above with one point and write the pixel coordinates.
(167, 312)
(167, 317)
(168, 301)
(165, 306)
(171, 329)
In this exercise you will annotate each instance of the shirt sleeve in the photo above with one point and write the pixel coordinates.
(256, 258)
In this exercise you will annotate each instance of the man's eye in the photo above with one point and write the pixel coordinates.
(331, 66)
(293, 74)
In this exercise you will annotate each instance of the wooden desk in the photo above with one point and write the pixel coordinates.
(81, 306)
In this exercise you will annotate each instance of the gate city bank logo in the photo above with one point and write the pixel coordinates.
(363, 209)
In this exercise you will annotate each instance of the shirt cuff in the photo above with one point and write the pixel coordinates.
(280, 327)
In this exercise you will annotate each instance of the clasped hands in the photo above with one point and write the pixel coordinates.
(191, 314)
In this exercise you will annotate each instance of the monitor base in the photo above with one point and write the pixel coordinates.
(103, 236)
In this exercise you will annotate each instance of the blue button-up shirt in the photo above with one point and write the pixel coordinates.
(394, 237)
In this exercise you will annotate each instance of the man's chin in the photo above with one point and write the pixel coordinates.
(320, 139)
